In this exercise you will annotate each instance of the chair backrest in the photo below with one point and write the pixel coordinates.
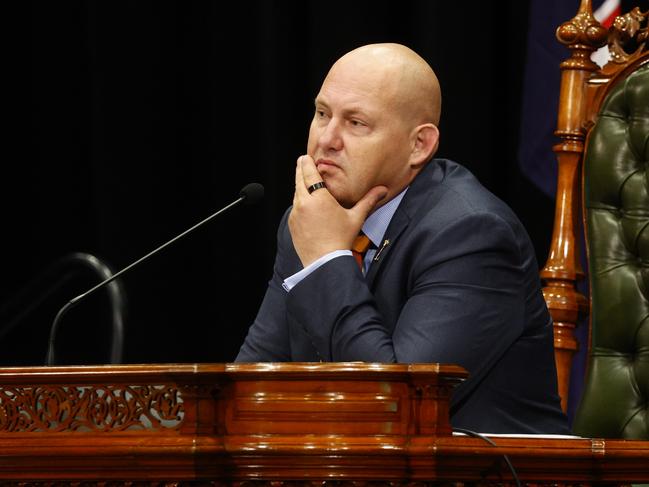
(615, 402)
(605, 111)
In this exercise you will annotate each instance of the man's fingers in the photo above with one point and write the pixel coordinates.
(300, 188)
(306, 175)
(310, 174)
(299, 177)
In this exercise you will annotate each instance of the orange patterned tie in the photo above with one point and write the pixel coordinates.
(359, 247)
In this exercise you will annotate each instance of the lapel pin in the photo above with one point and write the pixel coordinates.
(385, 243)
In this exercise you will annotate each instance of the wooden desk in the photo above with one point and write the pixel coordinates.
(304, 423)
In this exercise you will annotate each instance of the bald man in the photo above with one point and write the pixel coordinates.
(450, 275)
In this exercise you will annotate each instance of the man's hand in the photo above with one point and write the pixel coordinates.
(318, 223)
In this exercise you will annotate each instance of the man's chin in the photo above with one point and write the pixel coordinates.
(342, 198)
(346, 203)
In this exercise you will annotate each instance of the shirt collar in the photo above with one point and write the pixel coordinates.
(377, 223)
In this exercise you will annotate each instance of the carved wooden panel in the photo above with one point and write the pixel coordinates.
(90, 408)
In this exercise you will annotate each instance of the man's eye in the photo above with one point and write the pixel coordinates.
(357, 123)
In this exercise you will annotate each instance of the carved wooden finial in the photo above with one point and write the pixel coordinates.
(628, 30)
(583, 34)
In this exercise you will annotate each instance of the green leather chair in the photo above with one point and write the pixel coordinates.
(615, 401)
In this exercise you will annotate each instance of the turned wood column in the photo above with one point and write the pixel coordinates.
(582, 35)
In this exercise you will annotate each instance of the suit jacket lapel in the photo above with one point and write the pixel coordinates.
(420, 189)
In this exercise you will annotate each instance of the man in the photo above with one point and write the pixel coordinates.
(451, 276)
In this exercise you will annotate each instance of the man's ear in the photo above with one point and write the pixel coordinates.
(426, 141)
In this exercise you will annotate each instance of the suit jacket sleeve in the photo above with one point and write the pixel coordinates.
(268, 337)
(464, 304)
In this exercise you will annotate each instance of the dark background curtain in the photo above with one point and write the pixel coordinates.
(132, 120)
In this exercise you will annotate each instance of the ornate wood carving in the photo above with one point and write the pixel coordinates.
(89, 408)
(626, 30)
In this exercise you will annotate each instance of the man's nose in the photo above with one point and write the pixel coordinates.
(331, 137)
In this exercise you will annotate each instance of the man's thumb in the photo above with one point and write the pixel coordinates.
(368, 202)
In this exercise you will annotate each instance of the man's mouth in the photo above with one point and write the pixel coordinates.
(326, 164)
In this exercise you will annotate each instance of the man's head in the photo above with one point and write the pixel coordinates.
(375, 121)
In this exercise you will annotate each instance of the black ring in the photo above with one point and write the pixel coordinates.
(316, 186)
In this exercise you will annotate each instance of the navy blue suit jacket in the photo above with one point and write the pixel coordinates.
(457, 283)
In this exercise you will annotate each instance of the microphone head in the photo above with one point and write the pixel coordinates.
(251, 193)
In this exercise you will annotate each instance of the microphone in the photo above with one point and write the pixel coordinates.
(250, 194)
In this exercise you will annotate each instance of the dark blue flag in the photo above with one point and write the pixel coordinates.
(541, 85)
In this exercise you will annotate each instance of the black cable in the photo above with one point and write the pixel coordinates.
(488, 440)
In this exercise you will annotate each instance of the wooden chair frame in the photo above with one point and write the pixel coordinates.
(584, 87)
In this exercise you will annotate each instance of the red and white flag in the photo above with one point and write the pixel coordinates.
(605, 14)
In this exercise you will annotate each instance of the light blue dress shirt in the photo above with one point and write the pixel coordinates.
(374, 227)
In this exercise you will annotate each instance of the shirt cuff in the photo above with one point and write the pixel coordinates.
(291, 281)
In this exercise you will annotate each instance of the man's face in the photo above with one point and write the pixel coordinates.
(358, 137)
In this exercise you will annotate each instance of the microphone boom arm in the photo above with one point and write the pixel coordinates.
(252, 191)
